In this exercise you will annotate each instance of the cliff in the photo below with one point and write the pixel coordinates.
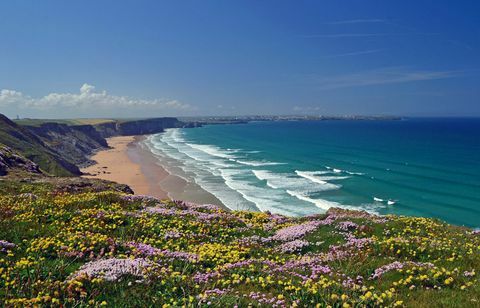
(60, 146)
(137, 127)
(13, 162)
(24, 142)
(76, 142)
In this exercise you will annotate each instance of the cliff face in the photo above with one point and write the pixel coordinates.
(75, 143)
(107, 129)
(148, 126)
(137, 127)
(22, 141)
(59, 148)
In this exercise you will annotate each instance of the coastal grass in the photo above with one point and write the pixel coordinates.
(30, 146)
(80, 121)
(106, 248)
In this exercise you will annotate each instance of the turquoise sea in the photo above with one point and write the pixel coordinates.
(421, 167)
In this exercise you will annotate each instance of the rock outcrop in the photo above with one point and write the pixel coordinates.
(61, 148)
(10, 161)
(137, 127)
(75, 142)
(26, 143)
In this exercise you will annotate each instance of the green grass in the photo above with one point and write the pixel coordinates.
(55, 234)
(39, 122)
(30, 146)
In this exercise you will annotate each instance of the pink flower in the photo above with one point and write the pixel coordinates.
(379, 272)
(293, 246)
(298, 231)
(346, 225)
(113, 269)
(4, 246)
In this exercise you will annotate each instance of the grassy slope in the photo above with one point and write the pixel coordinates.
(233, 258)
(38, 122)
(30, 146)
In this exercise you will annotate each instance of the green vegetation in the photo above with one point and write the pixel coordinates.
(30, 146)
(39, 122)
(80, 247)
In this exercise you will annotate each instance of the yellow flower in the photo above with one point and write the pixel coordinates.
(449, 280)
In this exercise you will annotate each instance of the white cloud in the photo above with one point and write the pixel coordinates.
(10, 97)
(86, 88)
(87, 99)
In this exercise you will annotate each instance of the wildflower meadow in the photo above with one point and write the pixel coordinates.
(112, 249)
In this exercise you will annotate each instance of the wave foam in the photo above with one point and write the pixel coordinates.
(336, 170)
(294, 183)
(220, 172)
(388, 201)
(257, 163)
(310, 176)
(320, 203)
(211, 150)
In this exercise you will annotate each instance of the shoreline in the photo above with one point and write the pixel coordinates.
(129, 162)
(114, 164)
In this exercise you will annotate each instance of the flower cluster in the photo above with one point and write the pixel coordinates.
(379, 272)
(147, 250)
(293, 246)
(346, 225)
(113, 269)
(5, 246)
(295, 232)
(107, 248)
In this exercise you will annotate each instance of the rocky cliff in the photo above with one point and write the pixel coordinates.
(12, 162)
(76, 142)
(137, 127)
(60, 147)
(27, 144)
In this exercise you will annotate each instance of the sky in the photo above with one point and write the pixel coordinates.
(66, 59)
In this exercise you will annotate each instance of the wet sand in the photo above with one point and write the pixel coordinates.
(130, 162)
(116, 165)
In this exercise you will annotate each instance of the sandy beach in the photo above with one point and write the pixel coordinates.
(116, 165)
(129, 162)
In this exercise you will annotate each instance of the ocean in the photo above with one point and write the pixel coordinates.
(420, 167)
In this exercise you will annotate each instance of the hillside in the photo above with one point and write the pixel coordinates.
(60, 146)
(33, 148)
(13, 163)
(77, 142)
(90, 245)
(39, 122)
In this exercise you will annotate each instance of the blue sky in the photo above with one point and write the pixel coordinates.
(155, 58)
